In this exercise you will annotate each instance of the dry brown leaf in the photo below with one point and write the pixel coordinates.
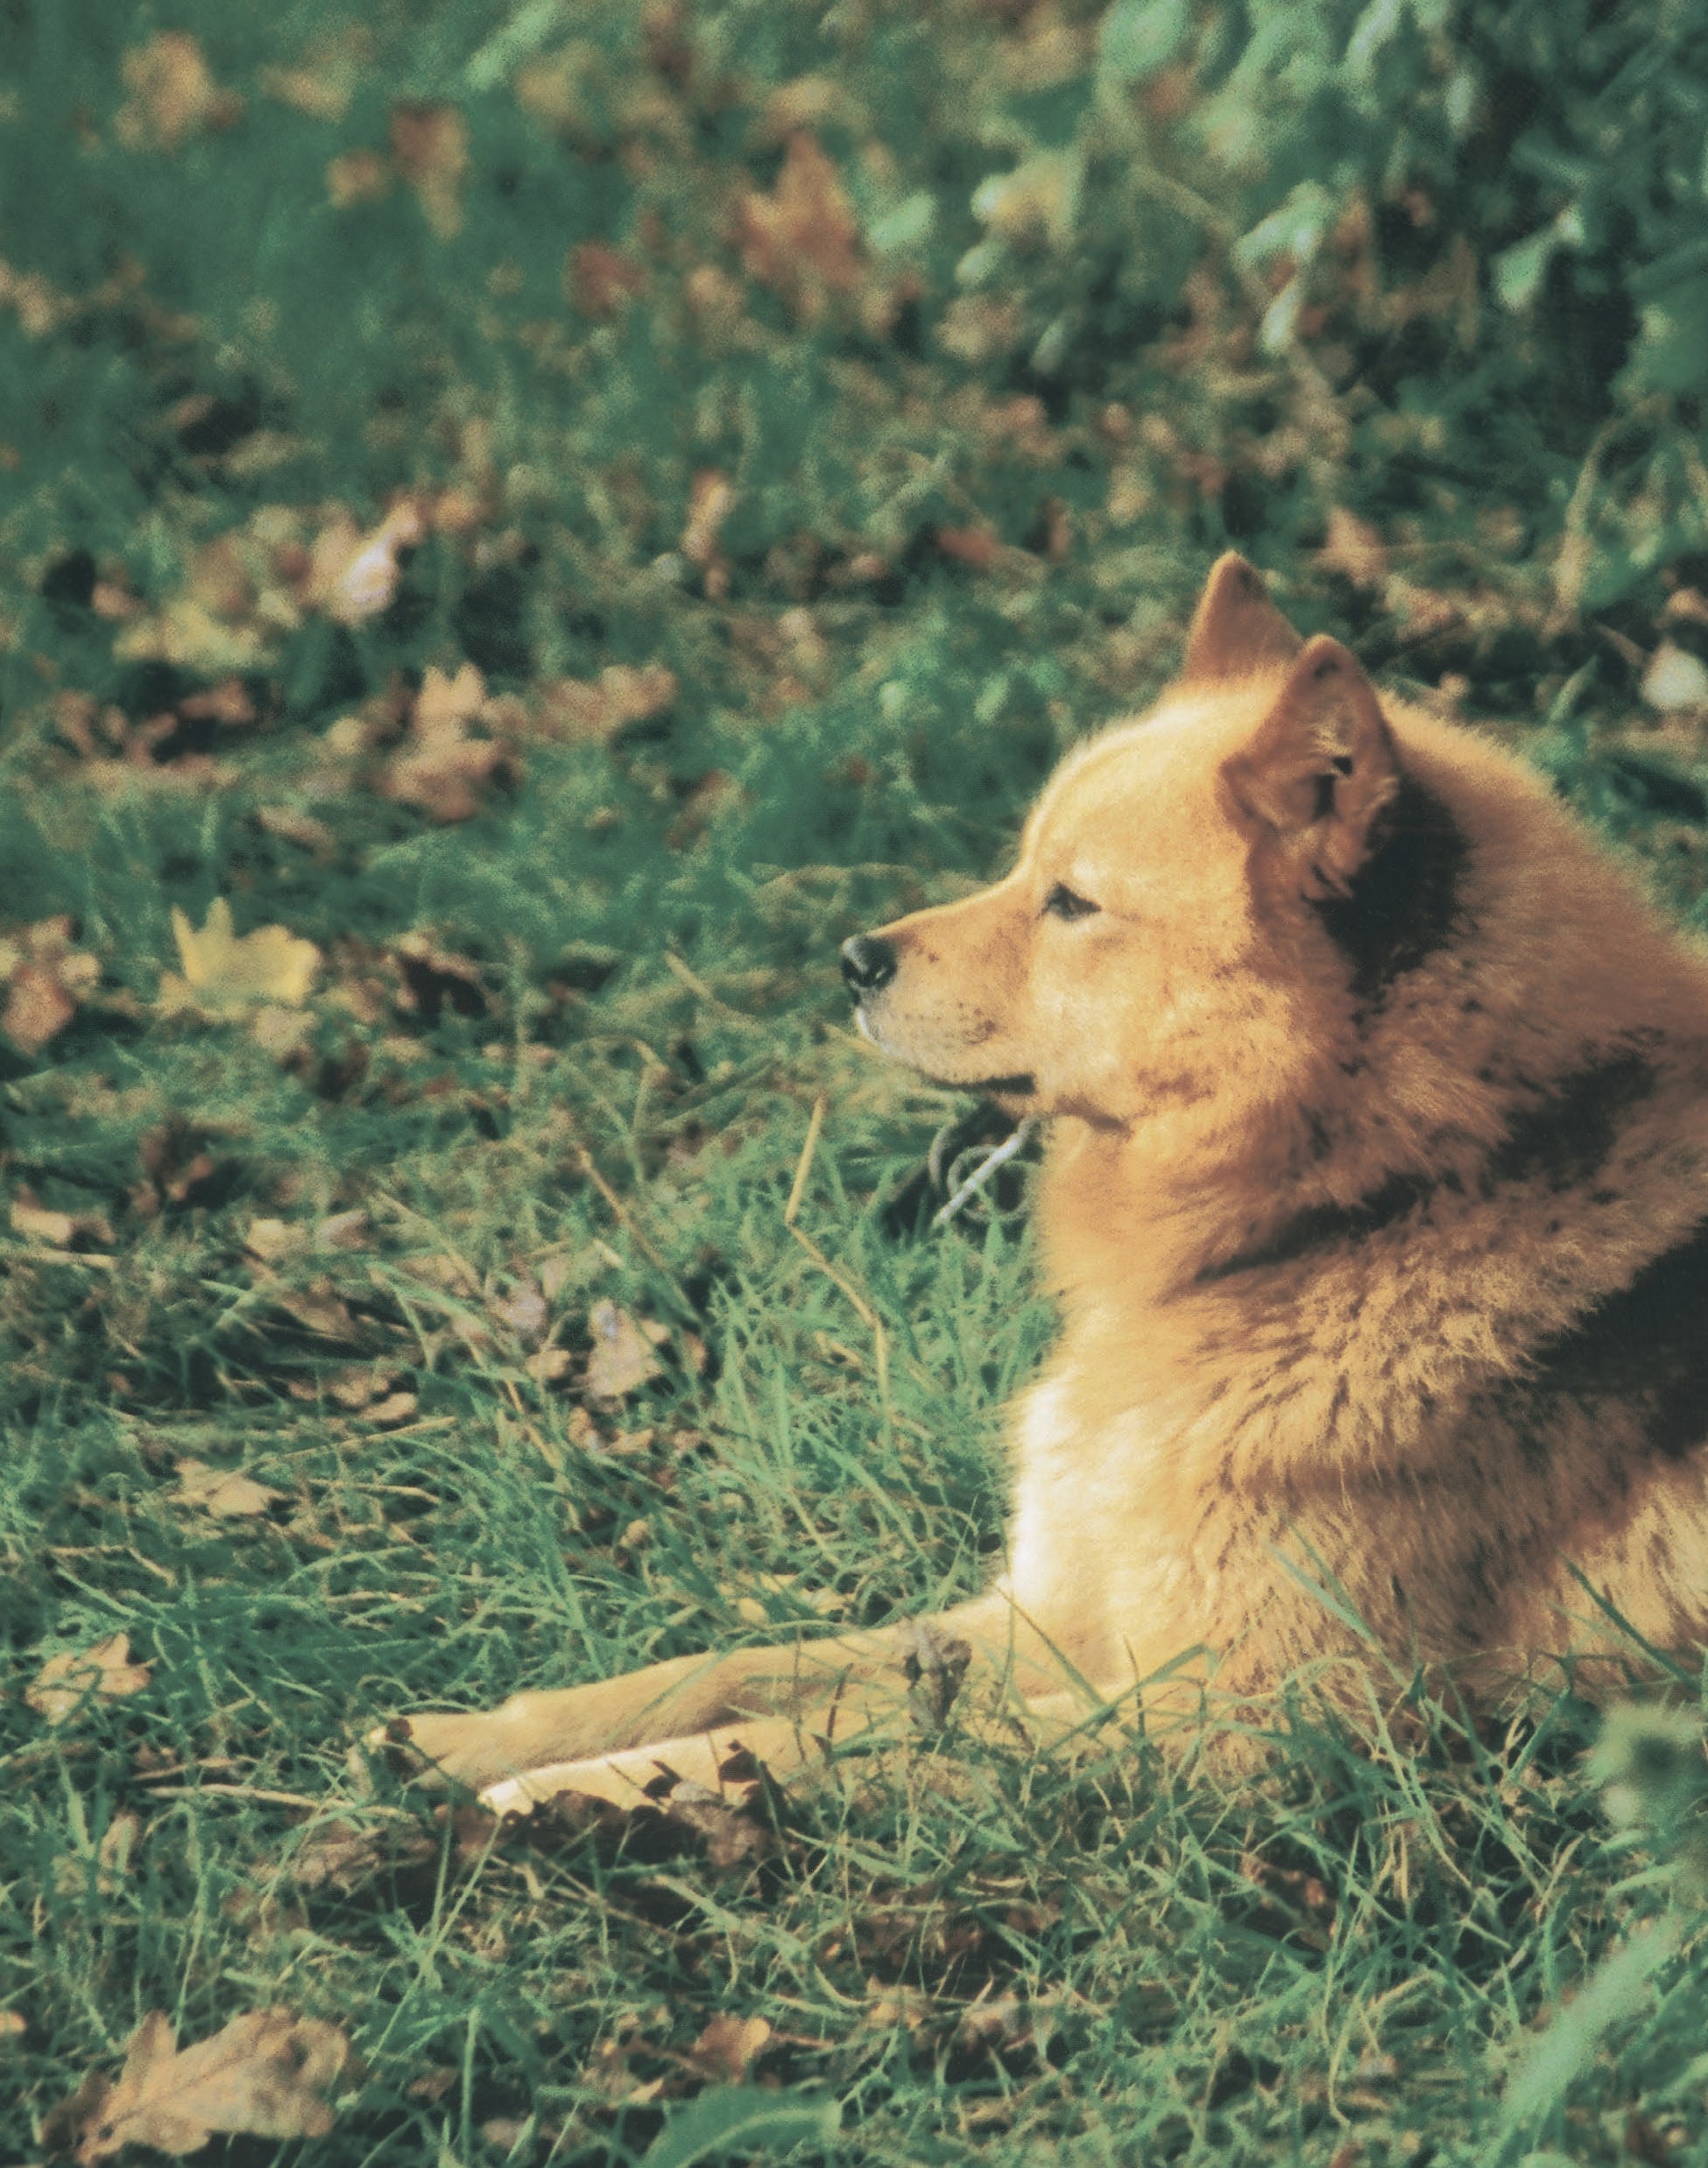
(357, 177)
(623, 1356)
(441, 767)
(727, 2046)
(598, 280)
(569, 707)
(430, 143)
(227, 1493)
(45, 978)
(352, 576)
(172, 94)
(104, 1671)
(1354, 548)
(394, 1408)
(60, 1230)
(267, 2075)
(803, 239)
(523, 1310)
(710, 497)
(225, 972)
(351, 1230)
(302, 828)
(1675, 680)
(270, 1239)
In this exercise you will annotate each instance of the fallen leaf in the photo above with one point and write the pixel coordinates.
(1675, 680)
(172, 94)
(1034, 204)
(803, 239)
(571, 707)
(353, 576)
(394, 1408)
(37, 1008)
(225, 972)
(727, 2046)
(265, 2074)
(433, 976)
(751, 1610)
(350, 1229)
(1353, 548)
(623, 1356)
(301, 829)
(226, 1492)
(598, 279)
(710, 497)
(45, 978)
(357, 177)
(430, 143)
(523, 1310)
(61, 1229)
(727, 1827)
(104, 1672)
(441, 767)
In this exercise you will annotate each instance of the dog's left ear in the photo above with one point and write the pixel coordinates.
(1237, 631)
(1321, 767)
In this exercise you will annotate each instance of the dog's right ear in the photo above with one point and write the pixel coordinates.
(1237, 631)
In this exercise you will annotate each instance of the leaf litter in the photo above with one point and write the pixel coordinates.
(267, 2075)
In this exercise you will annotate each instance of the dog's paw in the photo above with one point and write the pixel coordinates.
(438, 1747)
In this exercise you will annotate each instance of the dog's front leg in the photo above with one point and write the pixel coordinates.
(682, 1697)
(813, 1688)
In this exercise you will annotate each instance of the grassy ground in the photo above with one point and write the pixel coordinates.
(789, 554)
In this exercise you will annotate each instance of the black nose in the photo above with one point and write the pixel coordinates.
(868, 961)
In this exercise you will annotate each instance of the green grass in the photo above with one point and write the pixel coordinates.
(601, 1090)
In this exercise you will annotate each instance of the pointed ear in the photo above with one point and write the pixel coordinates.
(1321, 767)
(1237, 631)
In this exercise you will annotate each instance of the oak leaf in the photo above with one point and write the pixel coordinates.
(225, 972)
(103, 1672)
(267, 2075)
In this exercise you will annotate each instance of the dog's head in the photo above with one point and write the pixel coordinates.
(1166, 917)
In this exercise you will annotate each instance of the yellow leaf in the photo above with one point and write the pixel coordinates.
(104, 1671)
(224, 973)
(265, 2074)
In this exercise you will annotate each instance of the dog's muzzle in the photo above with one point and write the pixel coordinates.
(868, 964)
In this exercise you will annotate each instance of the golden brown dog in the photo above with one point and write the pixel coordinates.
(1376, 1200)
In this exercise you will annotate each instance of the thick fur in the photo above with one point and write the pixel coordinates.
(1376, 1201)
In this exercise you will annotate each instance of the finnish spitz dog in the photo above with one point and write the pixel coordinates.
(1375, 1201)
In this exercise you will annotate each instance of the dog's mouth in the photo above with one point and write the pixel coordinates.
(1020, 1087)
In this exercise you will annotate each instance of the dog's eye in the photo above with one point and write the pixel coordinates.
(1062, 902)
